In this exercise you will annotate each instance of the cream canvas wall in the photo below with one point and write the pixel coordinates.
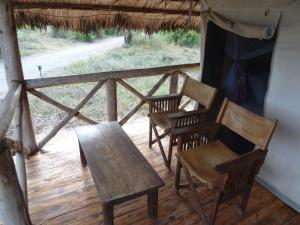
(281, 171)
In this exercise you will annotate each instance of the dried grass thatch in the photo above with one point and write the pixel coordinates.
(90, 15)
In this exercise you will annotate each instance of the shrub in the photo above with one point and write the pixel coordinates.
(112, 32)
(185, 38)
(179, 37)
(89, 37)
(101, 33)
(154, 41)
(59, 33)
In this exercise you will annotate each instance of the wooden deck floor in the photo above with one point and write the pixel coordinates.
(61, 191)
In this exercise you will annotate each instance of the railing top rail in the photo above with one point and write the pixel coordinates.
(93, 77)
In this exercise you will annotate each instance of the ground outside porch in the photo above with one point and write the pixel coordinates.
(61, 191)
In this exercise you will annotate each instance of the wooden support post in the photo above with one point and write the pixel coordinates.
(111, 98)
(173, 83)
(21, 173)
(20, 155)
(13, 210)
(13, 66)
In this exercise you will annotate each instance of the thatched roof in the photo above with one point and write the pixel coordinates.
(89, 15)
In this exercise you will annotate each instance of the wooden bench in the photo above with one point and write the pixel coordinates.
(120, 172)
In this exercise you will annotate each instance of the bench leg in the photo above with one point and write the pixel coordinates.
(170, 150)
(152, 203)
(150, 134)
(177, 176)
(108, 214)
(82, 157)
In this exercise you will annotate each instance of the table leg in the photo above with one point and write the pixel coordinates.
(152, 203)
(82, 157)
(108, 214)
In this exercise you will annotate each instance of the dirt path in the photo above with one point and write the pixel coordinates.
(60, 58)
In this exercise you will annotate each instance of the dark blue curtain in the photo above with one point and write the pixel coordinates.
(243, 85)
(239, 67)
(246, 80)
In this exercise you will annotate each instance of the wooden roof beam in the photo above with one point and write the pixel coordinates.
(49, 5)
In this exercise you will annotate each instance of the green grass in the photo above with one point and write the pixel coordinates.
(32, 41)
(38, 41)
(133, 57)
(144, 52)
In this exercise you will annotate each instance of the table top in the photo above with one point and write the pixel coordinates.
(118, 168)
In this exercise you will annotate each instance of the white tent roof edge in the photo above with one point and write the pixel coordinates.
(251, 19)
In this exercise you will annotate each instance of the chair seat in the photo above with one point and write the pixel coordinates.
(201, 161)
(161, 119)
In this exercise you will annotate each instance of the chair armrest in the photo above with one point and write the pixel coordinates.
(162, 97)
(246, 166)
(201, 127)
(176, 115)
(256, 156)
(192, 136)
(163, 103)
(190, 118)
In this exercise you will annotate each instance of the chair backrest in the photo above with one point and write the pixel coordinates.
(252, 127)
(200, 92)
(239, 174)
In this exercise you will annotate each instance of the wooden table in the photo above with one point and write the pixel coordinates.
(120, 172)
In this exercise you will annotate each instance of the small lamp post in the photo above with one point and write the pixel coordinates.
(74, 39)
(40, 69)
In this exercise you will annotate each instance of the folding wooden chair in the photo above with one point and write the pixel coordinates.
(165, 113)
(209, 161)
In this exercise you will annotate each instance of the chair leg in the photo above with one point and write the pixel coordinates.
(200, 210)
(177, 175)
(160, 144)
(170, 151)
(150, 133)
(245, 199)
(215, 208)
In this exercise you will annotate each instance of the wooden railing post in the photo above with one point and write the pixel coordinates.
(13, 209)
(173, 83)
(20, 156)
(111, 97)
(13, 66)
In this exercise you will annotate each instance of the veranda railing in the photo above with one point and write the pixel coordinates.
(110, 79)
(11, 111)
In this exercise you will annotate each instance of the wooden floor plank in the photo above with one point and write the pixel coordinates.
(61, 191)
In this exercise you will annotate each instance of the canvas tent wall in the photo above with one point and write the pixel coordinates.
(281, 171)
